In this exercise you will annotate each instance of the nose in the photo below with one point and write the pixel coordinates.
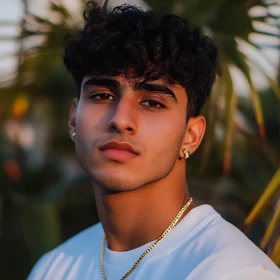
(123, 119)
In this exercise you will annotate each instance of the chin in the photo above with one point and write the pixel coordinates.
(111, 182)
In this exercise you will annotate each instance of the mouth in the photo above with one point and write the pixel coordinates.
(118, 151)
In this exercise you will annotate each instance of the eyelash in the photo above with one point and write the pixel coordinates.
(158, 103)
(93, 96)
(110, 95)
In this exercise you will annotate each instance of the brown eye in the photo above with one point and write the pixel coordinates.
(102, 96)
(152, 103)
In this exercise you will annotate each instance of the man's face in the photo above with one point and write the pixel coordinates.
(149, 117)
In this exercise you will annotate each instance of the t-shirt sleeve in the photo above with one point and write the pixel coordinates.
(254, 272)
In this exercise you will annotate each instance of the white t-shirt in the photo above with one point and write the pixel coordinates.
(203, 246)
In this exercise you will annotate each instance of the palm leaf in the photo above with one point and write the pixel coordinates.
(238, 59)
(230, 111)
(265, 199)
(258, 110)
(272, 82)
(271, 226)
(211, 123)
(275, 255)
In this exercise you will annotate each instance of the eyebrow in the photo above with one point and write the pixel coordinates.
(156, 88)
(106, 82)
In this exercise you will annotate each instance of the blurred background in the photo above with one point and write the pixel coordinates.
(46, 198)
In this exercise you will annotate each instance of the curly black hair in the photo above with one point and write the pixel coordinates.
(145, 46)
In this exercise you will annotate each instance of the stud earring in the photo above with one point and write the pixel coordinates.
(73, 136)
(186, 153)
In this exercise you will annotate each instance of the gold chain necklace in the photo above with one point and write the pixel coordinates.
(172, 225)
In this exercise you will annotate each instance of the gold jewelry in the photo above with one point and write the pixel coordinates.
(186, 153)
(73, 136)
(172, 225)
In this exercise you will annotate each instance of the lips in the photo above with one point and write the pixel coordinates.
(118, 151)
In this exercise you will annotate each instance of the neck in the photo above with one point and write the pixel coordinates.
(133, 218)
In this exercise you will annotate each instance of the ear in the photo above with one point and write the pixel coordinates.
(194, 134)
(72, 116)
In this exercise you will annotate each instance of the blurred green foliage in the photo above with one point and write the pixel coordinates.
(45, 197)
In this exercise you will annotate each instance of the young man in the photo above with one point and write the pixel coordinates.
(142, 80)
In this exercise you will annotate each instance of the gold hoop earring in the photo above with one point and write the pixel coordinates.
(186, 153)
(73, 136)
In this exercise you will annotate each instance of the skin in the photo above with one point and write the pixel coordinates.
(137, 198)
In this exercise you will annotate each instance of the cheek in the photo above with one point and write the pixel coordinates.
(88, 119)
(171, 126)
(165, 135)
(86, 127)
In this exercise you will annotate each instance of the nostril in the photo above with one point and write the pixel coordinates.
(113, 128)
